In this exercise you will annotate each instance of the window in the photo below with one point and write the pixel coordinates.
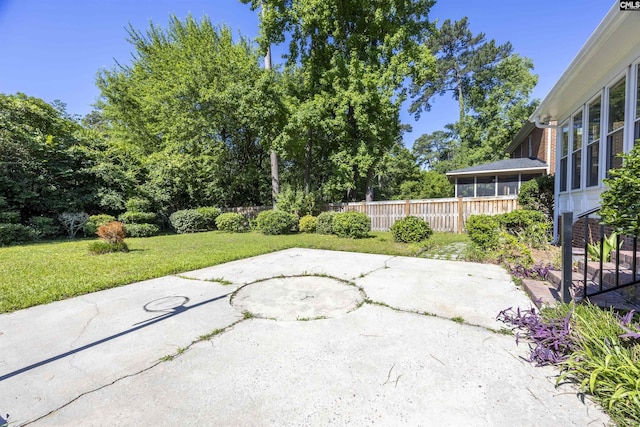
(576, 159)
(564, 147)
(615, 128)
(465, 187)
(486, 186)
(593, 142)
(636, 133)
(508, 185)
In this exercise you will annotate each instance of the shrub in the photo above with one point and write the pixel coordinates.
(141, 230)
(483, 230)
(231, 222)
(532, 227)
(513, 252)
(95, 221)
(73, 222)
(43, 226)
(296, 201)
(15, 234)
(307, 224)
(112, 232)
(101, 247)
(276, 222)
(620, 207)
(351, 224)
(10, 217)
(324, 223)
(209, 215)
(134, 217)
(138, 204)
(187, 221)
(410, 229)
(537, 195)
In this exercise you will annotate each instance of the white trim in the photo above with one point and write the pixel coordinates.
(524, 171)
(548, 149)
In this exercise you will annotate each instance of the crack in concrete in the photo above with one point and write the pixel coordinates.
(178, 353)
(87, 323)
(384, 267)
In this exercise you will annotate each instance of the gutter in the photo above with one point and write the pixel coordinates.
(556, 238)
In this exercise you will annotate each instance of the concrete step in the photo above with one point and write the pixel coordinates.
(541, 292)
(626, 258)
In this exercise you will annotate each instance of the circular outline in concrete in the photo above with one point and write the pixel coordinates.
(299, 297)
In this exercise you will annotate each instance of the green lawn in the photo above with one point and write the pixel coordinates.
(45, 272)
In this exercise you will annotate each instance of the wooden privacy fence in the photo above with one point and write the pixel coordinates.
(448, 214)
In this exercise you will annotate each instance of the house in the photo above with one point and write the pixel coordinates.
(595, 109)
(531, 154)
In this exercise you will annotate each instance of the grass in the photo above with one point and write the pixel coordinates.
(50, 271)
(443, 246)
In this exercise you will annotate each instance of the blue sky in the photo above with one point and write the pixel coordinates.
(52, 49)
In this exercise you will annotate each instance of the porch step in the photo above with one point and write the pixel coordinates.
(608, 273)
(541, 292)
(626, 258)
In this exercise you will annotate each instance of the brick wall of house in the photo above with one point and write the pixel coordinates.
(593, 233)
(540, 140)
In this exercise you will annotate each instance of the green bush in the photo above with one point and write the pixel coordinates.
(410, 229)
(351, 224)
(537, 195)
(324, 223)
(188, 221)
(15, 234)
(231, 222)
(10, 217)
(44, 227)
(141, 230)
(307, 224)
(95, 221)
(484, 231)
(100, 247)
(134, 217)
(138, 204)
(513, 252)
(209, 215)
(516, 221)
(620, 206)
(276, 222)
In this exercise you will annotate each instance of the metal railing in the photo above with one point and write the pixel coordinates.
(612, 280)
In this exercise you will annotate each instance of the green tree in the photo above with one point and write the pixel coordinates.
(351, 60)
(430, 185)
(45, 163)
(197, 115)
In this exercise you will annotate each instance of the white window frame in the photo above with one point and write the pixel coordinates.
(561, 156)
(573, 150)
(585, 138)
(634, 103)
(605, 119)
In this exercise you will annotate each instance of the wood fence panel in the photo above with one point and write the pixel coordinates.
(448, 215)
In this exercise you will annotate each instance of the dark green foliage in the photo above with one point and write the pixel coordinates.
(276, 222)
(324, 223)
(411, 229)
(307, 224)
(621, 201)
(530, 227)
(95, 221)
(101, 247)
(138, 204)
(209, 215)
(537, 195)
(188, 221)
(351, 224)
(15, 234)
(133, 217)
(10, 217)
(484, 231)
(231, 222)
(141, 230)
(44, 227)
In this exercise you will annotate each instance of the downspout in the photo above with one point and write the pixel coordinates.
(556, 187)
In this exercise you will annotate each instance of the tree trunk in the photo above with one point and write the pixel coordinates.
(460, 96)
(275, 176)
(307, 163)
(370, 177)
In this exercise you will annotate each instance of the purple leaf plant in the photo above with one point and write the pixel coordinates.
(551, 339)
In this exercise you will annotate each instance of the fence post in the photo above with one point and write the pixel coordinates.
(460, 215)
(567, 256)
(407, 208)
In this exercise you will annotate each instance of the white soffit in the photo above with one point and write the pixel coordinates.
(608, 50)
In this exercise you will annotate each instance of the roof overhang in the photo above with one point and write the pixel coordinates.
(613, 45)
(536, 169)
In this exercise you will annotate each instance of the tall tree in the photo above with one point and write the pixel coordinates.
(352, 59)
(275, 173)
(196, 113)
(459, 55)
